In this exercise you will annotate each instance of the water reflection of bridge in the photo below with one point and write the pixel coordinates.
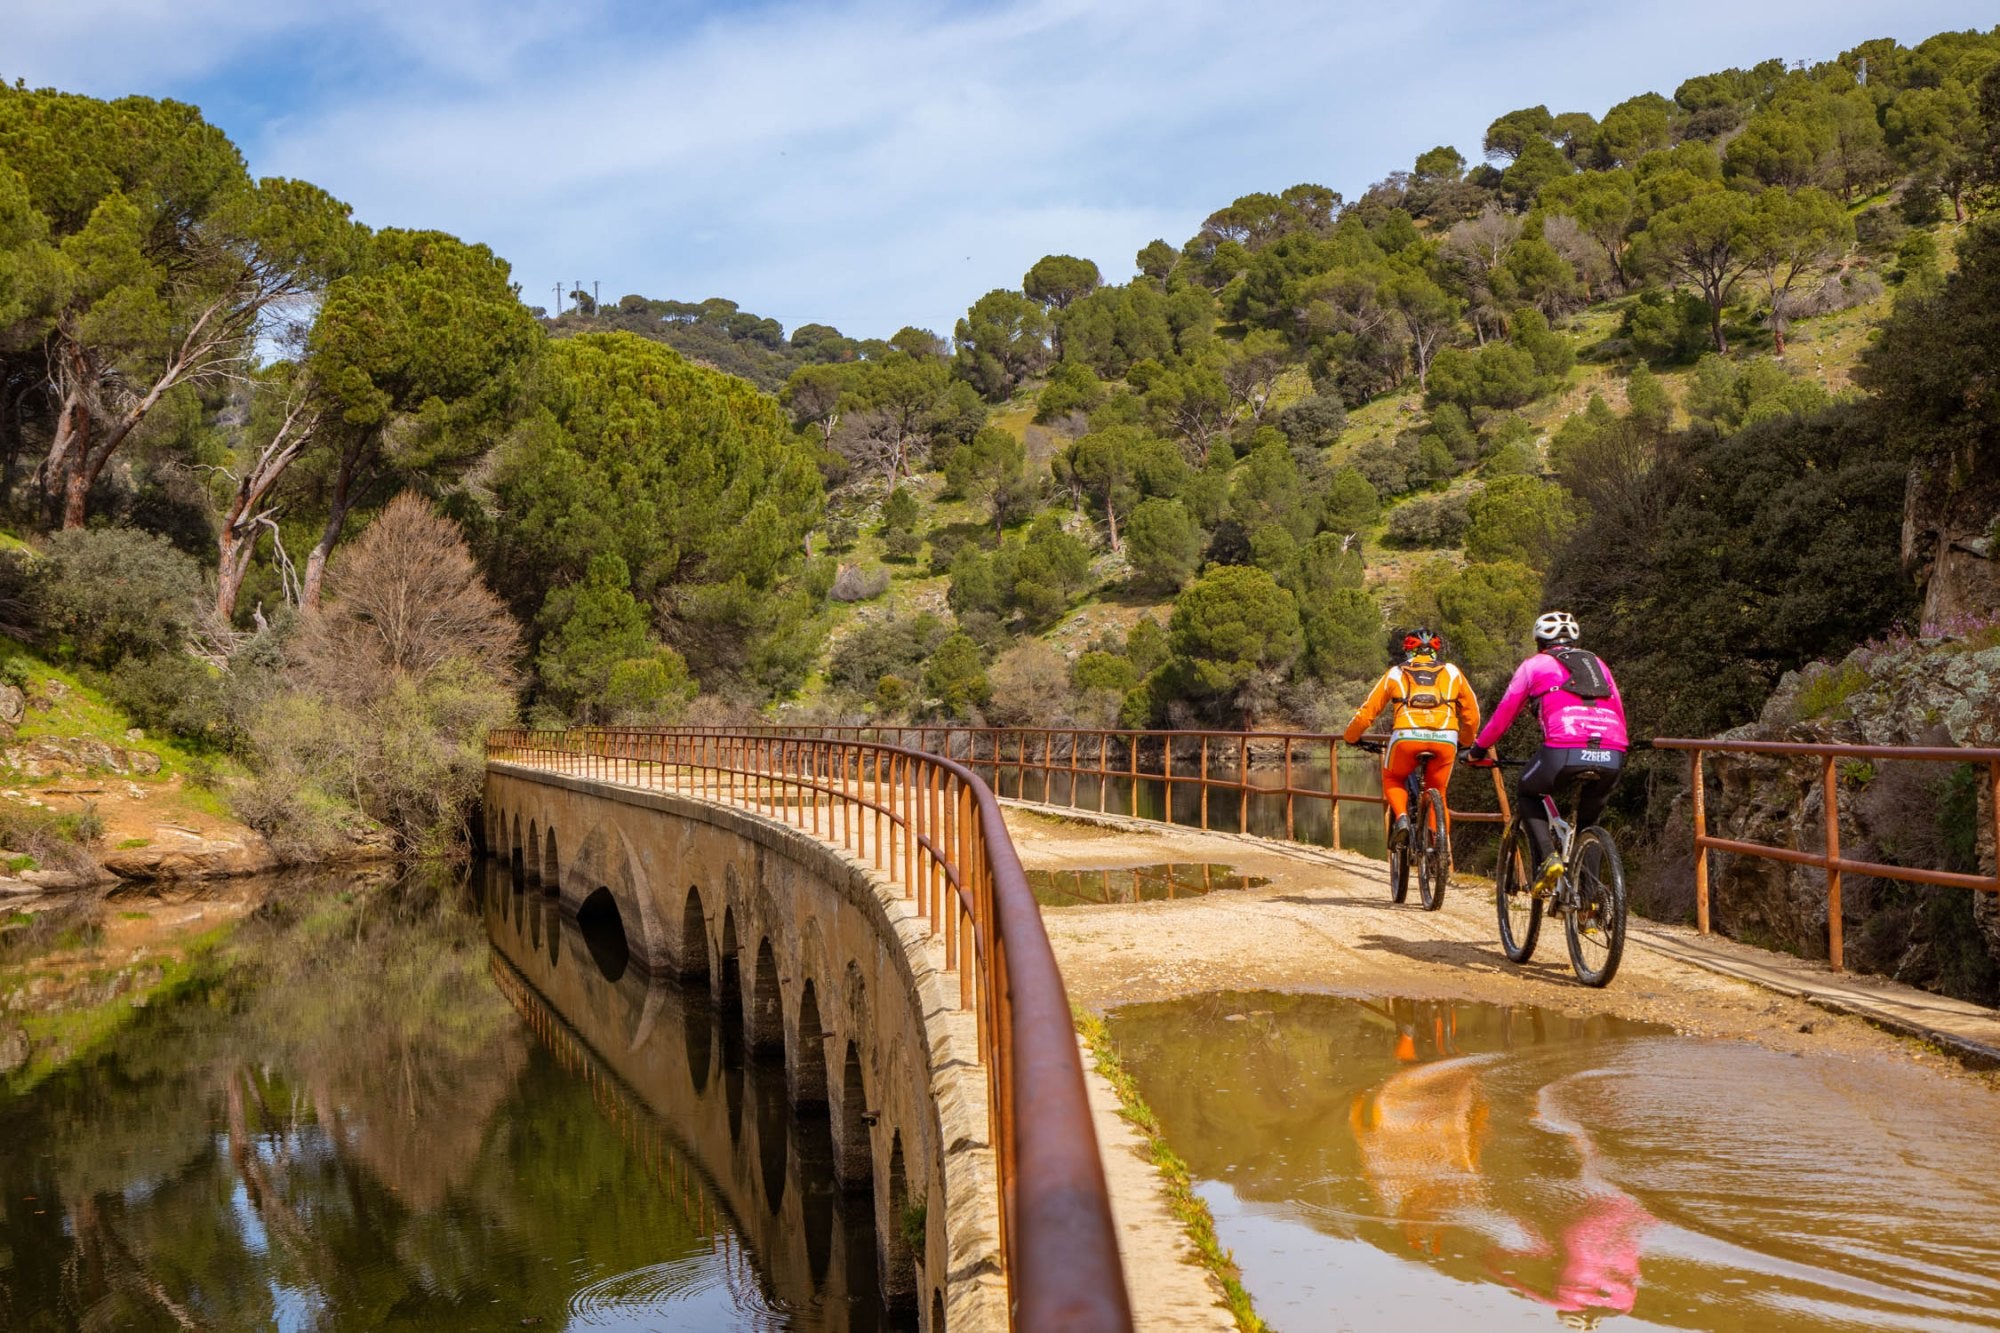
(711, 1125)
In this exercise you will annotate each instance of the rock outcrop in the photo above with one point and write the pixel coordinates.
(50, 757)
(1918, 691)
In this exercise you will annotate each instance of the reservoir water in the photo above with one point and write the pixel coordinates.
(1379, 1164)
(425, 1103)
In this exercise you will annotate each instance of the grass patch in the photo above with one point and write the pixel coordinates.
(16, 864)
(1194, 1215)
(1826, 694)
(131, 843)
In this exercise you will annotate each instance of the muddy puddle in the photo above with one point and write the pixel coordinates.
(1420, 1165)
(1136, 884)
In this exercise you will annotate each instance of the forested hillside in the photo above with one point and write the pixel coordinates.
(1626, 362)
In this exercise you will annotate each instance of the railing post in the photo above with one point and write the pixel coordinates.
(1700, 846)
(1204, 781)
(1830, 780)
(1333, 789)
(1243, 784)
(1289, 835)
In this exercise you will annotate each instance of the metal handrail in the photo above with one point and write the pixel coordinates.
(931, 825)
(1049, 751)
(1829, 859)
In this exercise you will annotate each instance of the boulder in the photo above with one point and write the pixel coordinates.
(13, 705)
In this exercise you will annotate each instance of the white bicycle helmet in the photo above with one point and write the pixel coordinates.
(1556, 627)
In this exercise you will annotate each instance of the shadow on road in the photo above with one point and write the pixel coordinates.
(1468, 955)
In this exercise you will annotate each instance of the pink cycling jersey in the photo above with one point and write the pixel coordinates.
(1568, 722)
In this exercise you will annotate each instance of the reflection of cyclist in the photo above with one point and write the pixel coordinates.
(1434, 713)
(1423, 1133)
(1583, 733)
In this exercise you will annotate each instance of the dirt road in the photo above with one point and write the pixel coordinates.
(1324, 922)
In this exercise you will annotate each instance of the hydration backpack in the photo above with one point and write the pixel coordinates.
(1587, 677)
(1420, 687)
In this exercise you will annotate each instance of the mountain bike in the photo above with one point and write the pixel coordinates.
(1428, 849)
(1590, 895)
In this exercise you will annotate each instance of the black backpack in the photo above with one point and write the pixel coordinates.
(1587, 677)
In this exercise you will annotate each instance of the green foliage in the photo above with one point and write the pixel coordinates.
(1163, 543)
(1487, 614)
(990, 469)
(1231, 627)
(1825, 693)
(1146, 645)
(1072, 388)
(1520, 519)
(116, 593)
(1709, 566)
(955, 677)
(1059, 280)
(1436, 522)
(591, 629)
(691, 479)
(1728, 395)
(882, 648)
(175, 694)
(1103, 671)
(1667, 326)
(1002, 341)
(1049, 568)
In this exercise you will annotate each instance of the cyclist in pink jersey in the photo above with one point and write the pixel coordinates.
(1583, 733)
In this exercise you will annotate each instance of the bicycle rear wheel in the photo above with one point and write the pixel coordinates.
(1519, 909)
(1430, 847)
(1596, 920)
(1399, 873)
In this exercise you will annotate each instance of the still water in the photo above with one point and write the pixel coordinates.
(1136, 884)
(1396, 1164)
(379, 1105)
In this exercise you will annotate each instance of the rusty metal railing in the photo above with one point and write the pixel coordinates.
(1228, 762)
(1829, 858)
(930, 825)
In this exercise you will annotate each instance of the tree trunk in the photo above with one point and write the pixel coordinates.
(343, 500)
(233, 549)
(1111, 516)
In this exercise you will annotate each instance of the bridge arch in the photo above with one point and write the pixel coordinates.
(807, 956)
(808, 1063)
(765, 1018)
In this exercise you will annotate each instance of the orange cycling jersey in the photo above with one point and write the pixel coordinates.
(1430, 700)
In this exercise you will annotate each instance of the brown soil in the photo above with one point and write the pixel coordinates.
(1324, 922)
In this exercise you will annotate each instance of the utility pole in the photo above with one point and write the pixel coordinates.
(596, 301)
(555, 311)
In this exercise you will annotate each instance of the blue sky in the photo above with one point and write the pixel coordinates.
(868, 163)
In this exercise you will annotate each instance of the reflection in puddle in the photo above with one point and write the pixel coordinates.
(1135, 884)
(1435, 1165)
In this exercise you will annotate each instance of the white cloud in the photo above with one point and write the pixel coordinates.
(872, 163)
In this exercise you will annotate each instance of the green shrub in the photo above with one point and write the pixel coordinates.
(175, 694)
(1436, 522)
(113, 593)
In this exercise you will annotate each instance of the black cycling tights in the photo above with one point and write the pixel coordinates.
(1553, 771)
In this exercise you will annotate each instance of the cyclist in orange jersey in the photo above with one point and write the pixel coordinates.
(1433, 712)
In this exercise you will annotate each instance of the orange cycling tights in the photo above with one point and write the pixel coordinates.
(1401, 760)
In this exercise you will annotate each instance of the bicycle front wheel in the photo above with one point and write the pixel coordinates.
(1596, 920)
(1430, 847)
(1514, 897)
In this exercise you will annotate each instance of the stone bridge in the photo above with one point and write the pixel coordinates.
(826, 965)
